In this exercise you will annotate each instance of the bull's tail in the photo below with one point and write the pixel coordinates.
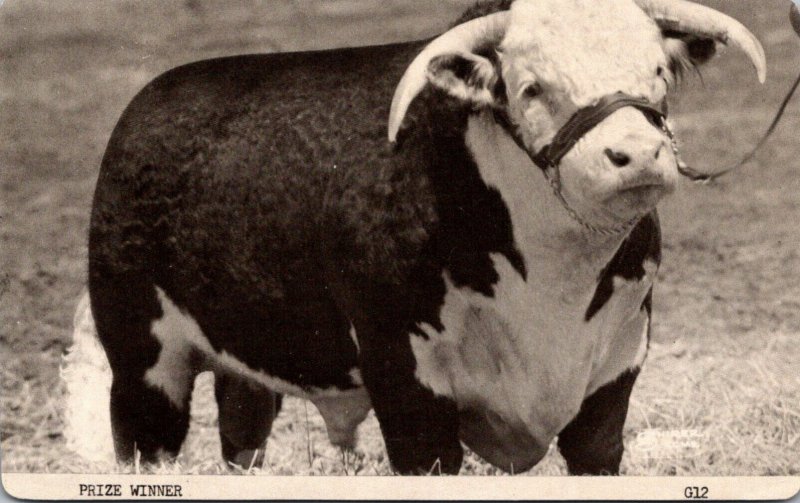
(87, 378)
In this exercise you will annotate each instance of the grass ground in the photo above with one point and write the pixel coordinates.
(720, 392)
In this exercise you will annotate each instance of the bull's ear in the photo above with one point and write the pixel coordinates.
(686, 51)
(467, 77)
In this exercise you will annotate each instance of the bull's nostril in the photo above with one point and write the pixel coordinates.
(659, 149)
(618, 159)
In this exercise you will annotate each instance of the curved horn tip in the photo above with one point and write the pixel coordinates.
(391, 134)
(758, 58)
(762, 71)
(755, 51)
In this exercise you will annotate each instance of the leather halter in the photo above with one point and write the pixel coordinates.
(583, 121)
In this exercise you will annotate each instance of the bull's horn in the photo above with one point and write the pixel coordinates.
(684, 16)
(463, 38)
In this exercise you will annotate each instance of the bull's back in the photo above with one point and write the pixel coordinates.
(220, 131)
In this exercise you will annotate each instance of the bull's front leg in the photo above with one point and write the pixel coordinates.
(592, 442)
(420, 430)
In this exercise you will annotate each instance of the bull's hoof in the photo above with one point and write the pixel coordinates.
(246, 459)
(425, 460)
(343, 438)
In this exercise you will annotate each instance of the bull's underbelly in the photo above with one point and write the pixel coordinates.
(520, 364)
(181, 337)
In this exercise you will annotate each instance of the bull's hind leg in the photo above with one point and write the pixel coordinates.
(144, 419)
(152, 364)
(246, 413)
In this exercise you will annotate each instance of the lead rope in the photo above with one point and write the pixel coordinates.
(684, 169)
(706, 178)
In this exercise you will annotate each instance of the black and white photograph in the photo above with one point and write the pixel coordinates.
(534, 238)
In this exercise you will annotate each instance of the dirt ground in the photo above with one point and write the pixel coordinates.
(720, 392)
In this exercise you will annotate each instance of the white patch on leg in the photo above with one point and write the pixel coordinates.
(87, 379)
(172, 372)
(430, 371)
(354, 336)
(641, 353)
(355, 376)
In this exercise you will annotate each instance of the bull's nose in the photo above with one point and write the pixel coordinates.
(635, 152)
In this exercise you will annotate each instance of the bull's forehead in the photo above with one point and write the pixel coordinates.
(584, 48)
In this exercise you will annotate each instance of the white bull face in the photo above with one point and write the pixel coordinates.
(579, 53)
(544, 60)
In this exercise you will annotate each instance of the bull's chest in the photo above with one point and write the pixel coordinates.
(519, 363)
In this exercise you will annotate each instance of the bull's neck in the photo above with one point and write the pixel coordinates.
(553, 243)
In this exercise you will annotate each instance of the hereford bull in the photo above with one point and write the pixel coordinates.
(483, 277)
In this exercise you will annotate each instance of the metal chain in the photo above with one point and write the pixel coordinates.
(675, 152)
(555, 185)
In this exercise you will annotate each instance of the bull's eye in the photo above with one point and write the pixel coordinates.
(531, 91)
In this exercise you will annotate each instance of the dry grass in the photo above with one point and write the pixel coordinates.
(720, 390)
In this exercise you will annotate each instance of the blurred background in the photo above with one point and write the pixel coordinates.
(721, 389)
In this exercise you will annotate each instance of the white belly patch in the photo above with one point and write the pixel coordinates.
(180, 335)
